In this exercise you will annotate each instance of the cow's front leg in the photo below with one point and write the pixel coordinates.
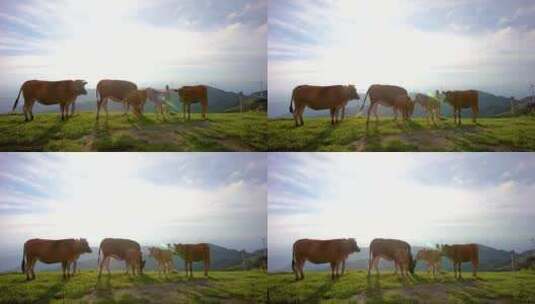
(333, 112)
(333, 270)
(62, 110)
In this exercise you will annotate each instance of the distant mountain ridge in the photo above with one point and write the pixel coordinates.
(490, 259)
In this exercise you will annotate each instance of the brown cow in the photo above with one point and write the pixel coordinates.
(193, 253)
(64, 251)
(461, 100)
(333, 98)
(121, 249)
(62, 92)
(322, 251)
(163, 257)
(391, 250)
(116, 90)
(192, 94)
(391, 96)
(459, 254)
(431, 257)
(430, 105)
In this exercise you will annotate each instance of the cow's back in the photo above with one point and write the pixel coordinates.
(118, 247)
(463, 99)
(50, 251)
(49, 92)
(320, 97)
(465, 253)
(386, 93)
(319, 251)
(193, 93)
(196, 252)
(118, 89)
(388, 248)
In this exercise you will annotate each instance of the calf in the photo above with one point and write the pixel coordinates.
(430, 105)
(432, 258)
(164, 259)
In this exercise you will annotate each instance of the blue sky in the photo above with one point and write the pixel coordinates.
(421, 45)
(423, 198)
(221, 43)
(154, 198)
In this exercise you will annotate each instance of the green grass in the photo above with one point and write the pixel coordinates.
(220, 286)
(221, 132)
(317, 134)
(355, 287)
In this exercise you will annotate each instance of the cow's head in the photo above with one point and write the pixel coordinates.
(141, 264)
(412, 264)
(352, 92)
(410, 106)
(84, 246)
(445, 249)
(179, 248)
(353, 247)
(79, 86)
(152, 251)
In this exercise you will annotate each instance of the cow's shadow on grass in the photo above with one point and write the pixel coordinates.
(373, 288)
(318, 293)
(53, 292)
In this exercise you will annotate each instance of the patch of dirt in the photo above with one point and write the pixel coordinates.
(177, 292)
(428, 293)
(429, 139)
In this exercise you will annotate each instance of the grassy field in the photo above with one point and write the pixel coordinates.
(221, 132)
(220, 286)
(490, 134)
(355, 287)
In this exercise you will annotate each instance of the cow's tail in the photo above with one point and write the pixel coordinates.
(412, 262)
(363, 103)
(23, 263)
(293, 259)
(291, 101)
(98, 259)
(17, 100)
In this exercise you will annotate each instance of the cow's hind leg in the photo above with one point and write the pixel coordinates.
(369, 112)
(333, 114)
(32, 268)
(301, 111)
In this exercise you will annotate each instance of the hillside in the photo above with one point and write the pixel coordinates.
(356, 287)
(220, 286)
(317, 134)
(220, 132)
(219, 101)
